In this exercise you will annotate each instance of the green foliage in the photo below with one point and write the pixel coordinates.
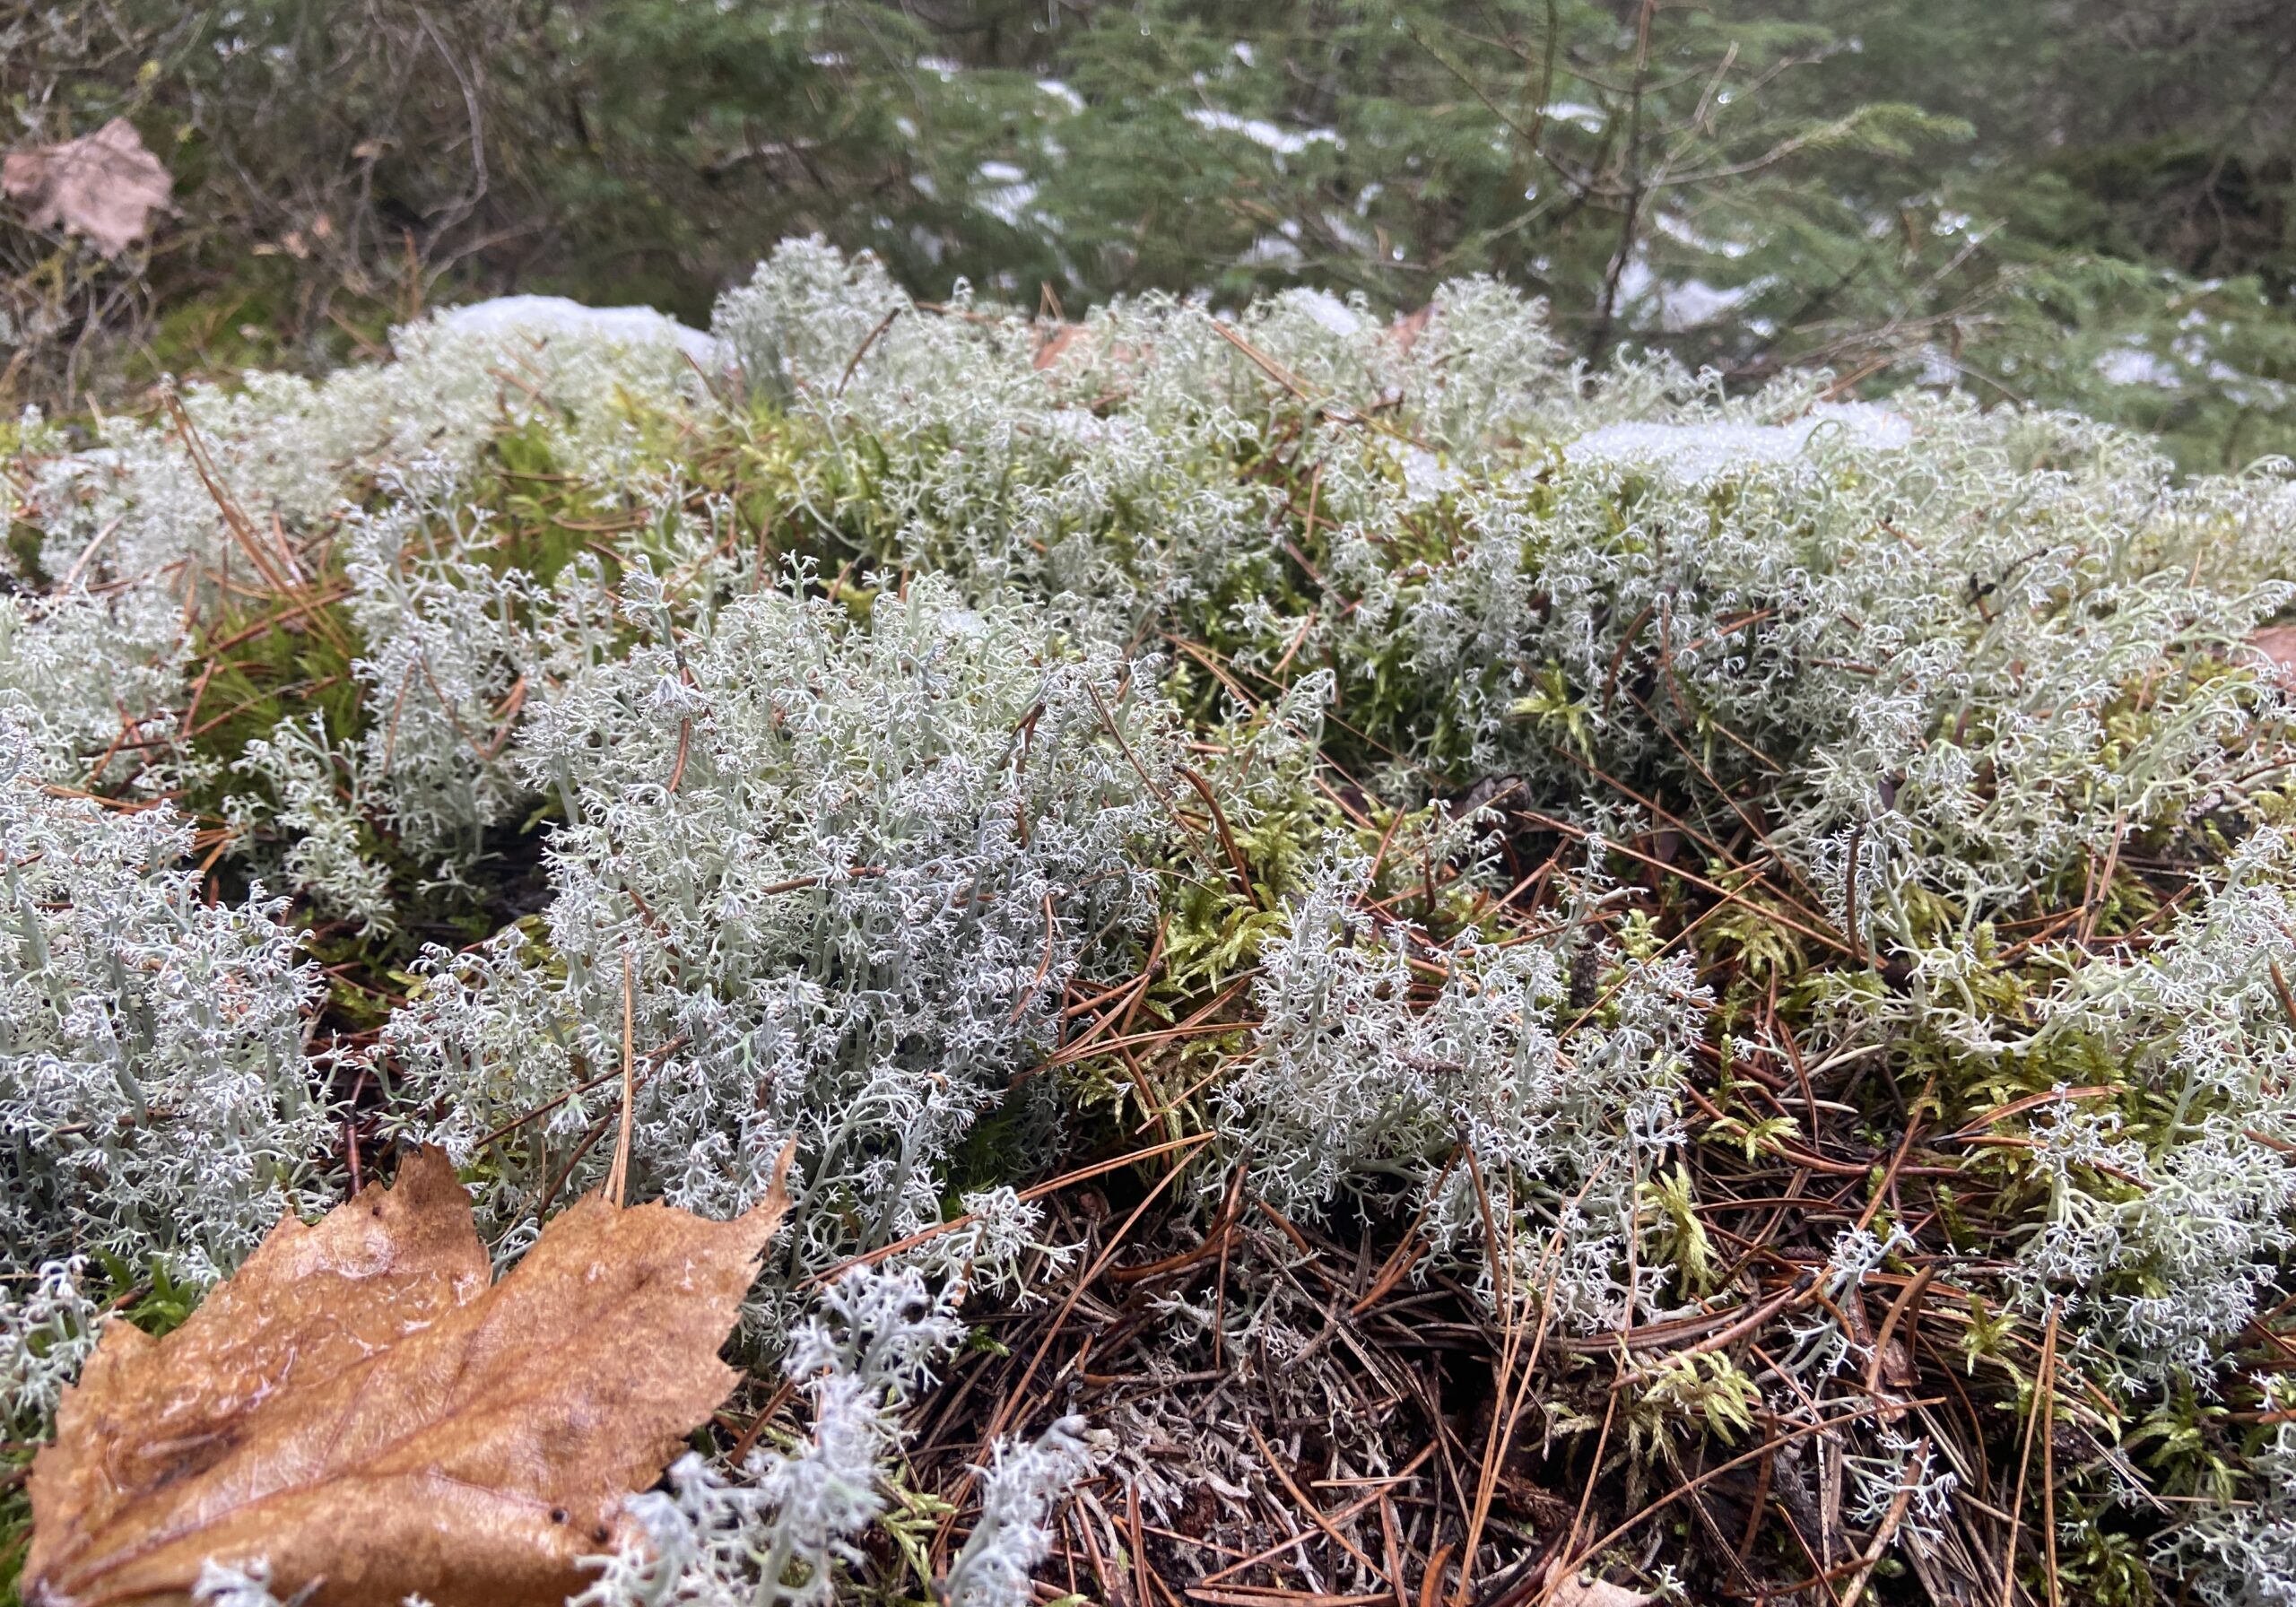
(1674, 1234)
(1707, 1392)
(2079, 206)
(16, 1520)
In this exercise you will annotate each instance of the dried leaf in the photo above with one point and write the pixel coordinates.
(2277, 643)
(1053, 343)
(359, 1406)
(104, 184)
(1576, 1592)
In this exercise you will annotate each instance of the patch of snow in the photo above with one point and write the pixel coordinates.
(1326, 310)
(1009, 202)
(1084, 427)
(540, 317)
(1589, 117)
(1426, 476)
(1344, 230)
(1010, 193)
(1271, 251)
(1061, 92)
(2134, 365)
(1694, 302)
(1635, 280)
(1260, 132)
(1694, 454)
(1677, 228)
(1678, 305)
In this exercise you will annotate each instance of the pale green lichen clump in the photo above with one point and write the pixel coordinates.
(836, 730)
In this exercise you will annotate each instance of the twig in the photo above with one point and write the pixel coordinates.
(883, 323)
(2044, 1383)
(618, 1176)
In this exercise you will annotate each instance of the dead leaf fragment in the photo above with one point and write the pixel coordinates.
(2277, 643)
(1406, 331)
(359, 1406)
(1576, 1592)
(1053, 343)
(104, 184)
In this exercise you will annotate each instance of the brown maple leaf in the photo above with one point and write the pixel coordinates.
(359, 1406)
(104, 184)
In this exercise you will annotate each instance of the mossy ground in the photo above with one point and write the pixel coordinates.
(1606, 1450)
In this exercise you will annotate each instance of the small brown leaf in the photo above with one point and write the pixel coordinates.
(1576, 1592)
(359, 1406)
(1053, 343)
(104, 184)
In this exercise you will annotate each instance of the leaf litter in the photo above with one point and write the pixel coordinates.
(364, 1408)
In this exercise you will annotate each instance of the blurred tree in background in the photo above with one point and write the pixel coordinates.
(2081, 203)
